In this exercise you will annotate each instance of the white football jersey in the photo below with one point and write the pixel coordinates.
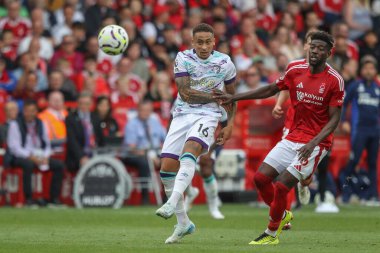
(205, 75)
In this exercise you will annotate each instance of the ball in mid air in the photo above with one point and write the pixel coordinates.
(113, 40)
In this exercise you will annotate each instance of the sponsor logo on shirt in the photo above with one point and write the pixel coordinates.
(309, 98)
(366, 99)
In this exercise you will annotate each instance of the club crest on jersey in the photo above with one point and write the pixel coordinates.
(300, 95)
(322, 88)
(361, 88)
(300, 85)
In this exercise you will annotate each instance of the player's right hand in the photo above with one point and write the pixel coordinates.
(277, 112)
(221, 97)
(224, 135)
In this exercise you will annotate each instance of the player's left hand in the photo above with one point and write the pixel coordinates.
(305, 151)
(224, 135)
(221, 97)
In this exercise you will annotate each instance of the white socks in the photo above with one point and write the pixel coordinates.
(211, 187)
(168, 179)
(270, 232)
(184, 177)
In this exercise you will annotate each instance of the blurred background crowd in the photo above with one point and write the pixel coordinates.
(49, 54)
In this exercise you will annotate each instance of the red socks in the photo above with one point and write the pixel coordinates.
(278, 205)
(264, 186)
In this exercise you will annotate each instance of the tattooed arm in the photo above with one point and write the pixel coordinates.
(190, 95)
(231, 108)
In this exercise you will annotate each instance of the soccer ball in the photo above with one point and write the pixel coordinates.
(113, 40)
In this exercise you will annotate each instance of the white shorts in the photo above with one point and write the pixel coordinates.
(285, 132)
(285, 156)
(198, 128)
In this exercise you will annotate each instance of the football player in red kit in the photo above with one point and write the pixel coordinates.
(316, 93)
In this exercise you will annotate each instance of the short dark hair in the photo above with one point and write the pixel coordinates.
(368, 59)
(323, 36)
(30, 102)
(203, 27)
(85, 94)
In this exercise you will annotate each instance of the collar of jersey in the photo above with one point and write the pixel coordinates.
(318, 74)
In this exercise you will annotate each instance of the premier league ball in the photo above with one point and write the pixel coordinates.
(113, 40)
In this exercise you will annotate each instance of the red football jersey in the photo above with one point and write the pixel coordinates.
(290, 112)
(311, 96)
(20, 27)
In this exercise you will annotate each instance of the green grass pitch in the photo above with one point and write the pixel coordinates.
(137, 229)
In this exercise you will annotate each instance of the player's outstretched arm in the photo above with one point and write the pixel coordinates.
(226, 132)
(332, 124)
(262, 92)
(190, 95)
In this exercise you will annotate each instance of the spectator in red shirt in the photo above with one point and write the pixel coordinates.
(265, 18)
(247, 31)
(136, 8)
(19, 26)
(7, 49)
(330, 11)
(26, 86)
(67, 52)
(105, 63)
(344, 47)
(177, 13)
(294, 9)
(129, 88)
(90, 80)
(287, 20)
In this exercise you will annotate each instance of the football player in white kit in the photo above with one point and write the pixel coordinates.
(198, 72)
(205, 168)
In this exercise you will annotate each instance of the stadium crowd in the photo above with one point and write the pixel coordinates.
(49, 54)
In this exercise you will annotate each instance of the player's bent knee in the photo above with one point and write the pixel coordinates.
(261, 179)
(288, 179)
(169, 165)
(193, 147)
(268, 170)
